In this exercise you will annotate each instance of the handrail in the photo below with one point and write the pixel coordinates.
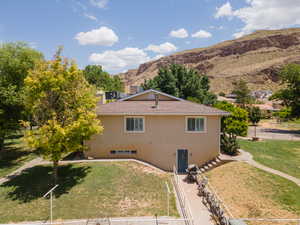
(186, 207)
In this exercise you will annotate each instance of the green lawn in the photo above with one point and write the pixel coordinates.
(277, 154)
(14, 154)
(87, 190)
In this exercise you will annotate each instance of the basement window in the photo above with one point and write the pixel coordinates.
(134, 124)
(123, 152)
(195, 124)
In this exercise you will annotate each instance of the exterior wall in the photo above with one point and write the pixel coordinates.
(159, 143)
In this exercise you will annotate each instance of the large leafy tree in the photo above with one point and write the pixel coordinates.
(290, 95)
(63, 107)
(16, 59)
(182, 82)
(101, 79)
(232, 126)
(242, 93)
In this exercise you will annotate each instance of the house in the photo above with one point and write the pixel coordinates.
(158, 128)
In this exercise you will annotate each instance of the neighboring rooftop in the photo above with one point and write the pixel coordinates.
(173, 106)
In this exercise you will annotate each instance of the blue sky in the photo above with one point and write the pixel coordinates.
(121, 34)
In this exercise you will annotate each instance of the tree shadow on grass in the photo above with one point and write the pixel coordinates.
(34, 182)
(12, 153)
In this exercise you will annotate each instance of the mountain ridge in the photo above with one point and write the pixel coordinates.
(256, 58)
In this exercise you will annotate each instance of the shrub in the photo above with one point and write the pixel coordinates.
(229, 144)
(222, 94)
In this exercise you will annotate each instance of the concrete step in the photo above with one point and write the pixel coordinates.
(206, 167)
(217, 160)
(209, 165)
(214, 163)
(202, 169)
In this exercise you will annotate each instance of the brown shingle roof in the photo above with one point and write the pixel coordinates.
(164, 108)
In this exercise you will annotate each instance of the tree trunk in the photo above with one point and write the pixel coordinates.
(1, 142)
(55, 172)
(255, 130)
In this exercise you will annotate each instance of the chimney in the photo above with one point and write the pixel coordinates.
(101, 94)
(156, 100)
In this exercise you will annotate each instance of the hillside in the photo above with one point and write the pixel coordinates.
(256, 58)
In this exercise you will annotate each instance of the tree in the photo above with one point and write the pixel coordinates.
(232, 126)
(101, 79)
(255, 116)
(182, 82)
(242, 93)
(290, 95)
(16, 59)
(63, 107)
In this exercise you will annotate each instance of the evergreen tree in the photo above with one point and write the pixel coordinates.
(242, 93)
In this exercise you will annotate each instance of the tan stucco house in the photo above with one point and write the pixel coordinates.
(158, 128)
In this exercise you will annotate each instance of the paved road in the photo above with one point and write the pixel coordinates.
(271, 133)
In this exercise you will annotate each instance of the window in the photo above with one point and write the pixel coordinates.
(195, 124)
(123, 152)
(134, 124)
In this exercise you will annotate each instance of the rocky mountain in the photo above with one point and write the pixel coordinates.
(256, 58)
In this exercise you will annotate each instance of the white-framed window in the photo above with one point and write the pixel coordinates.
(195, 124)
(134, 124)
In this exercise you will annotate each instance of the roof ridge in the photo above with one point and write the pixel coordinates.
(151, 90)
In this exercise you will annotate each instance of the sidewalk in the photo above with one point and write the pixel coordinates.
(199, 212)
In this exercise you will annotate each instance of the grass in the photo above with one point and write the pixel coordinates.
(277, 154)
(87, 190)
(14, 154)
(253, 193)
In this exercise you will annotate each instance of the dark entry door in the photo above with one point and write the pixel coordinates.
(182, 160)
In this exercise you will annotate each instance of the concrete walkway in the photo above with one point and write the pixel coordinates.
(200, 213)
(248, 158)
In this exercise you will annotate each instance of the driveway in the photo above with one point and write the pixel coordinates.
(273, 133)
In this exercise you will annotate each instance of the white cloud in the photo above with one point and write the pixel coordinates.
(224, 10)
(180, 33)
(216, 27)
(166, 47)
(99, 3)
(102, 36)
(202, 34)
(91, 17)
(267, 14)
(120, 59)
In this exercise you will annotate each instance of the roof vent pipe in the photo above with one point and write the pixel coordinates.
(156, 100)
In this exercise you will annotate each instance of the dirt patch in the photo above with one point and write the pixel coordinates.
(126, 204)
(246, 193)
(147, 169)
